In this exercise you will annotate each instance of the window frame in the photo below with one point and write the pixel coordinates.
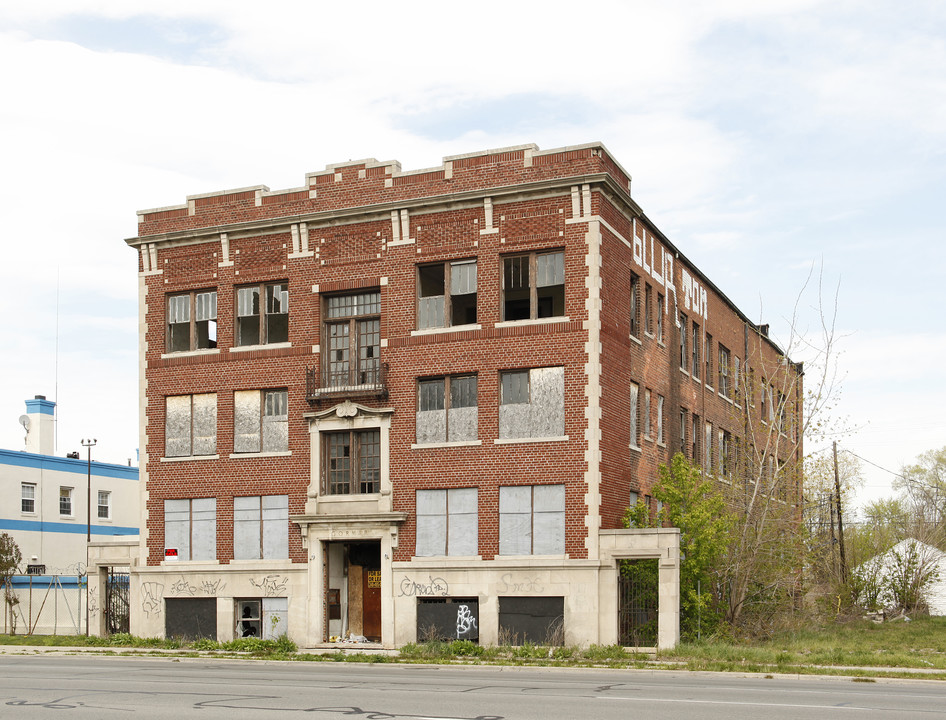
(194, 336)
(533, 280)
(212, 447)
(31, 499)
(660, 318)
(107, 505)
(473, 533)
(358, 327)
(533, 512)
(723, 368)
(207, 554)
(262, 314)
(267, 398)
(684, 353)
(539, 418)
(356, 480)
(449, 296)
(708, 358)
(279, 519)
(660, 419)
(634, 415)
(635, 328)
(66, 494)
(447, 402)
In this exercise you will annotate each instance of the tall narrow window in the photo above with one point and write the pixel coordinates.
(635, 413)
(708, 357)
(660, 317)
(660, 419)
(534, 286)
(28, 497)
(725, 388)
(352, 334)
(104, 505)
(695, 351)
(684, 355)
(192, 321)
(65, 501)
(635, 305)
(446, 294)
(695, 430)
(683, 431)
(708, 449)
(648, 310)
(261, 323)
(647, 419)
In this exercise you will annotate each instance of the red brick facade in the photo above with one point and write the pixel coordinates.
(366, 225)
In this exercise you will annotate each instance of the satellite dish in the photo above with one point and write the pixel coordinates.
(25, 422)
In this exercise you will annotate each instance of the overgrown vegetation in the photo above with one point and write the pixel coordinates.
(10, 558)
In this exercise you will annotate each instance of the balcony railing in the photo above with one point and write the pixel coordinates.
(365, 381)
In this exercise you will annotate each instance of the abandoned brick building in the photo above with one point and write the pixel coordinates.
(387, 403)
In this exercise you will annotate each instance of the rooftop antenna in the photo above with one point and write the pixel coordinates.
(56, 372)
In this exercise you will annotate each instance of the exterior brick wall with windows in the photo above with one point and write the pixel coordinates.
(481, 323)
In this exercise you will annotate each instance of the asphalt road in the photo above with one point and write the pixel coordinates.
(86, 686)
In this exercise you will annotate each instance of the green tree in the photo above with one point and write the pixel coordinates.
(10, 558)
(924, 486)
(691, 503)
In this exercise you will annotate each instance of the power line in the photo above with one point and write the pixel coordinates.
(879, 467)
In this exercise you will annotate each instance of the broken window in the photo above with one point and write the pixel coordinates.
(725, 388)
(192, 321)
(695, 436)
(265, 618)
(532, 520)
(104, 505)
(28, 497)
(647, 416)
(648, 310)
(447, 409)
(660, 419)
(695, 351)
(708, 449)
(532, 403)
(660, 318)
(684, 354)
(446, 294)
(352, 462)
(534, 286)
(261, 527)
(352, 334)
(708, 356)
(190, 425)
(447, 522)
(65, 501)
(635, 305)
(262, 314)
(190, 527)
(635, 412)
(260, 421)
(683, 430)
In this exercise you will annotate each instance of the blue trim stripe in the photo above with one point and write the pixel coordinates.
(81, 467)
(42, 407)
(61, 527)
(44, 581)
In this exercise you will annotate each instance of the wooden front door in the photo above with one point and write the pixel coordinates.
(371, 604)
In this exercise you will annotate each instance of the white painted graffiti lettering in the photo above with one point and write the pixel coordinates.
(465, 621)
(526, 585)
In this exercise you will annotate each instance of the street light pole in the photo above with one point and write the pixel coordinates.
(88, 445)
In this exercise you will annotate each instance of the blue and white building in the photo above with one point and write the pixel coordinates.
(44, 504)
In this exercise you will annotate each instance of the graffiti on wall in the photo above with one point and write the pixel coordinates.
(151, 593)
(509, 584)
(660, 267)
(435, 586)
(465, 621)
(271, 585)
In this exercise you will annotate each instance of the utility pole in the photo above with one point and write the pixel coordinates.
(88, 445)
(837, 489)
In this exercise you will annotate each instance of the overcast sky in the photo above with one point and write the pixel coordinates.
(764, 138)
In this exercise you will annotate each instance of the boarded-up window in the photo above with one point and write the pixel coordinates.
(190, 618)
(261, 527)
(532, 520)
(260, 421)
(190, 425)
(448, 619)
(539, 620)
(447, 522)
(532, 403)
(190, 527)
(447, 409)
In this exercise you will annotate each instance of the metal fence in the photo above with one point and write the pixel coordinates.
(638, 603)
(47, 605)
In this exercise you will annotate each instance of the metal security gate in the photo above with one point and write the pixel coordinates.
(637, 603)
(116, 602)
